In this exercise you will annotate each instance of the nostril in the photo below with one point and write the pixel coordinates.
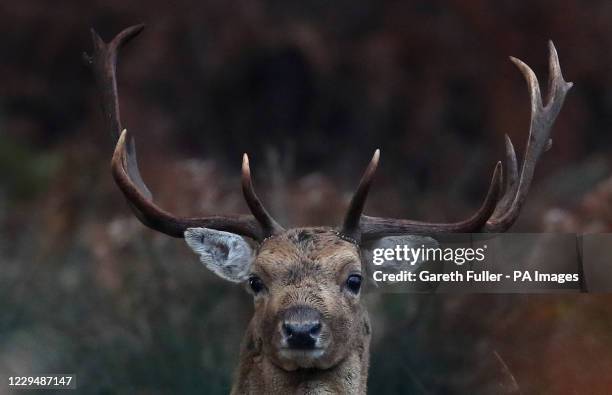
(287, 330)
(315, 329)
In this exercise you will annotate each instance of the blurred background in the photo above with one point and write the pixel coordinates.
(309, 90)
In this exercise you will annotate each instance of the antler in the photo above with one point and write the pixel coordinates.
(494, 215)
(125, 166)
(351, 226)
(542, 120)
(362, 227)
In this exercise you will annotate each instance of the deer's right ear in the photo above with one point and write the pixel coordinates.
(226, 254)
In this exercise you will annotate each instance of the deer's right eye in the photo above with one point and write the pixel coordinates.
(256, 284)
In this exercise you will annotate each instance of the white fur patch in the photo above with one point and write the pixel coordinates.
(226, 254)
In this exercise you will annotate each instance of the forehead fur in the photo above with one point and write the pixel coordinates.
(305, 252)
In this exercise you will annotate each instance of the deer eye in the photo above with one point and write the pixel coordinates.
(256, 284)
(353, 283)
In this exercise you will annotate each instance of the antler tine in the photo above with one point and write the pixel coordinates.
(542, 120)
(269, 225)
(125, 166)
(350, 227)
(104, 62)
(510, 179)
(376, 227)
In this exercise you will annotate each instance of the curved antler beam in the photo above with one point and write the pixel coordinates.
(377, 227)
(158, 219)
(125, 166)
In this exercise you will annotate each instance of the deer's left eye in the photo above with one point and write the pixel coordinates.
(353, 283)
(256, 284)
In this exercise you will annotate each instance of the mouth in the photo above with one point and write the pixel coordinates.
(301, 354)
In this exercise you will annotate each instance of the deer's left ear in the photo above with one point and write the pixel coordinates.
(228, 255)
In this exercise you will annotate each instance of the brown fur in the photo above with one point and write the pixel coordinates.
(306, 267)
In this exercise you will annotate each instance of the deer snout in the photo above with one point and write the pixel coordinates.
(301, 328)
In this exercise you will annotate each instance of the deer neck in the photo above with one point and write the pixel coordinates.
(258, 375)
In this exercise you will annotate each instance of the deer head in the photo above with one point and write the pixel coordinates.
(306, 282)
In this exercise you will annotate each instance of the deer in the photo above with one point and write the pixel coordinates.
(310, 331)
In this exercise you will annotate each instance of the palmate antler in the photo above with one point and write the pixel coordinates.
(125, 167)
(493, 215)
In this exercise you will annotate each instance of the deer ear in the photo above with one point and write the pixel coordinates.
(228, 255)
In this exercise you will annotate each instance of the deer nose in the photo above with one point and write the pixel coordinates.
(302, 335)
(301, 328)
